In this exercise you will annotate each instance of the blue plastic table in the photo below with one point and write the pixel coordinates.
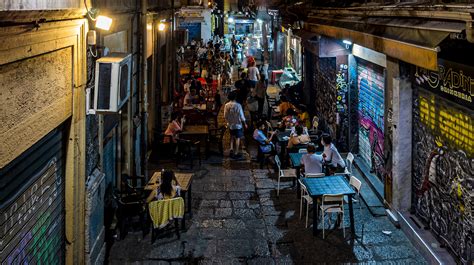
(317, 187)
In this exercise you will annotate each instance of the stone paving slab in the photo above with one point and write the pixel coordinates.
(238, 219)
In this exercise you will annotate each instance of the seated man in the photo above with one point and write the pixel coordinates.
(311, 162)
(266, 145)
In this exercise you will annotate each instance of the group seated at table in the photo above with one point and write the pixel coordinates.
(192, 97)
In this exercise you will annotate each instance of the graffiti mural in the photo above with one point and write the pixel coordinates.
(371, 83)
(443, 170)
(342, 89)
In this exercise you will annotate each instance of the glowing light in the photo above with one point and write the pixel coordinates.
(230, 20)
(161, 26)
(347, 42)
(259, 21)
(103, 22)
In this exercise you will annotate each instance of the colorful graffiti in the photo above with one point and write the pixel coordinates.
(32, 226)
(371, 118)
(443, 170)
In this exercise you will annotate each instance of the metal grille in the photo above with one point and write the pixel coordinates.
(371, 83)
(32, 204)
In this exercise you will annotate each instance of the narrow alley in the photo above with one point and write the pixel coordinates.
(236, 132)
(237, 219)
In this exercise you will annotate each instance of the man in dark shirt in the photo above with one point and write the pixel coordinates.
(243, 87)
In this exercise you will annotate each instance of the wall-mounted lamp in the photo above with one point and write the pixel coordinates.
(103, 22)
(161, 26)
(347, 43)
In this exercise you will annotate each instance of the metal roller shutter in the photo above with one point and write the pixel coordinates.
(32, 204)
(443, 170)
(371, 83)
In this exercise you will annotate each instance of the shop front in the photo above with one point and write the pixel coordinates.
(443, 154)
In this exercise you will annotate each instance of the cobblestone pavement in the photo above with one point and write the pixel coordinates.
(239, 220)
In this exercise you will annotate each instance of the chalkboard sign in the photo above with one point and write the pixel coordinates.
(32, 204)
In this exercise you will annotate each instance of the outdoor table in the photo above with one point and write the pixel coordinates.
(184, 180)
(197, 131)
(282, 139)
(317, 187)
(201, 107)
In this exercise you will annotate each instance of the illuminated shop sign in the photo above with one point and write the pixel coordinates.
(453, 81)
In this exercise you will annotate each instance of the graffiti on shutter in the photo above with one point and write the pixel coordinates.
(370, 81)
(443, 170)
(32, 220)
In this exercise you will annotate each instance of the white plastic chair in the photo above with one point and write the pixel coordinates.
(314, 175)
(356, 184)
(283, 173)
(309, 201)
(350, 161)
(332, 203)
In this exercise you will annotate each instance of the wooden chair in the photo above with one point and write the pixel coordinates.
(216, 135)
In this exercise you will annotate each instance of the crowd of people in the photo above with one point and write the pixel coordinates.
(212, 67)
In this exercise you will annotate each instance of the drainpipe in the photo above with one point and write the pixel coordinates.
(143, 84)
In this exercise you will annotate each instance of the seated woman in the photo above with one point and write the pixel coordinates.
(284, 106)
(174, 128)
(303, 116)
(266, 145)
(166, 190)
(331, 156)
(299, 137)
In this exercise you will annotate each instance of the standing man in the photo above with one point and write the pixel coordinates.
(242, 87)
(260, 94)
(234, 115)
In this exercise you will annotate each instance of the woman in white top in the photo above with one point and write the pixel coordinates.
(331, 156)
(253, 75)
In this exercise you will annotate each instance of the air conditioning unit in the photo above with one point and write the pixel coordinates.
(112, 82)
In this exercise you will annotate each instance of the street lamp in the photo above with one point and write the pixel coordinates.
(103, 22)
(161, 26)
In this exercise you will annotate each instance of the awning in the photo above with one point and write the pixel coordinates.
(411, 40)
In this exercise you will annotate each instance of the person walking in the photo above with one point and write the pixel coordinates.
(235, 118)
(242, 87)
(253, 74)
(260, 93)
